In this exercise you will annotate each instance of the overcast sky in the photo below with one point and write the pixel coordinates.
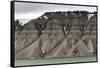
(34, 10)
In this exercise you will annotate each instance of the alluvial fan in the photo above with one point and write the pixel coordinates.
(57, 34)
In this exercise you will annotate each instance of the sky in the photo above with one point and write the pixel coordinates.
(29, 11)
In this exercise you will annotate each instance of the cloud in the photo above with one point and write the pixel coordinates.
(33, 10)
(27, 15)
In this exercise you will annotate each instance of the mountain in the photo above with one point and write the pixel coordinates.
(51, 34)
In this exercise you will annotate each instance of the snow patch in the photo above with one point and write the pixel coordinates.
(45, 17)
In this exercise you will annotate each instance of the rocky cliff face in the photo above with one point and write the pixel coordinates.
(57, 34)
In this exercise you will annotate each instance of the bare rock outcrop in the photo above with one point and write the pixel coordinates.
(57, 34)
